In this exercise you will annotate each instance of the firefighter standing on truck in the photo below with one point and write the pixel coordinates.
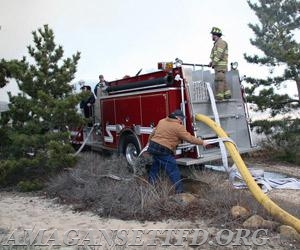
(219, 62)
(102, 85)
(162, 146)
(87, 104)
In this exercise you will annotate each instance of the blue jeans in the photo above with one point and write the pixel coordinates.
(168, 163)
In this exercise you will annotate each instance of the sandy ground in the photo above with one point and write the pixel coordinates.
(19, 212)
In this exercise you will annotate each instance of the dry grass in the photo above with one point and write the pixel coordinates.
(107, 187)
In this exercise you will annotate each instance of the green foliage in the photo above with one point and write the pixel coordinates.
(60, 156)
(274, 36)
(4, 74)
(28, 186)
(35, 129)
(268, 99)
(285, 143)
(13, 171)
(279, 20)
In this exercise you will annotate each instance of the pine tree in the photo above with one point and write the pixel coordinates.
(274, 36)
(36, 138)
(279, 20)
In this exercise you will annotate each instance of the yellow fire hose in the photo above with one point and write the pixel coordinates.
(262, 198)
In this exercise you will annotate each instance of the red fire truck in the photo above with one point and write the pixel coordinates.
(126, 113)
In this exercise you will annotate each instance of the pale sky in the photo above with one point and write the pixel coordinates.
(118, 37)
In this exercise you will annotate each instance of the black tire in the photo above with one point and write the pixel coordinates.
(131, 150)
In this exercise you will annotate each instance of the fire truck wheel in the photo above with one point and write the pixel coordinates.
(131, 150)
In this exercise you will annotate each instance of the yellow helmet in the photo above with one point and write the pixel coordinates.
(216, 31)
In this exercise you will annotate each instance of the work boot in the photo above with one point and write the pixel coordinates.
(220, 96)
(227, 94)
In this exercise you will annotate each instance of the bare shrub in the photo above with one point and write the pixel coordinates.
(107, 187)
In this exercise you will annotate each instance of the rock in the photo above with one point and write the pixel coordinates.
(204, 202)
(183, 198)
(255, 221)
(288, 232)
(267, 224)
(239, 212)
(195, 186)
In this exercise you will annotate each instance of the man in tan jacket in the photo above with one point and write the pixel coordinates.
(162, 145)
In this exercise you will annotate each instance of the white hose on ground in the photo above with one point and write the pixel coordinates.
(85, 141)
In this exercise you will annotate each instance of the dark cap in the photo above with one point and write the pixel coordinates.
(86, 87)
(178, 113)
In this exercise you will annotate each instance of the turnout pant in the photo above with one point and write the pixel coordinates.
(220, 81)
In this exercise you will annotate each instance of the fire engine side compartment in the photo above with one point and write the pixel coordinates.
(136, 113)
